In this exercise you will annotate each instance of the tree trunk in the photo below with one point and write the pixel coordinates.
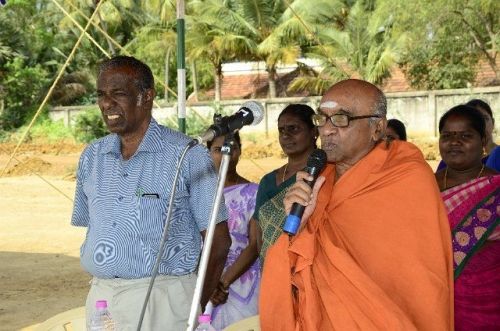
(272, 82)
(167, 73)
(218, 82)
(194, 77)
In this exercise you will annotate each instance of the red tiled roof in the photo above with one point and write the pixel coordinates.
(485, 75)
(255, 85)
(397, 82)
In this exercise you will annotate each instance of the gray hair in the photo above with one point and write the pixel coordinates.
(379, 107)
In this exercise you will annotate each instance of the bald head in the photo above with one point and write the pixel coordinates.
(364, 106)
(363, 94)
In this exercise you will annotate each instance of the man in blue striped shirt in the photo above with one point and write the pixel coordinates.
(123, 186)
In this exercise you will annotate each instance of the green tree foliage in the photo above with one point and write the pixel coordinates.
(217, 34)
(442, 62)
(90, 126)
(438, 43)
(21, 92)
(353, 42)
(155, 42)
(447, 39)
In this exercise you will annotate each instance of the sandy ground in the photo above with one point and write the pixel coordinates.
(40, 273)
(40, 269)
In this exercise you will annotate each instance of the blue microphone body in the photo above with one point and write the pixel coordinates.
(315, 164)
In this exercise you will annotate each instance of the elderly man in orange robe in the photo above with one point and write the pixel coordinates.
(374, 250)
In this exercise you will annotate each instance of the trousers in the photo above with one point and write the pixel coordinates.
(168, 306)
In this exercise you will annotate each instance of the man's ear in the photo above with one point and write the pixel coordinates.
(379, 130)
(150, 95)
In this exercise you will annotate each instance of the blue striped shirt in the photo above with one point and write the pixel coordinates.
(123, 204)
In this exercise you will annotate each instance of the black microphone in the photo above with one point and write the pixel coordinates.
(251, 112)
(315, 164)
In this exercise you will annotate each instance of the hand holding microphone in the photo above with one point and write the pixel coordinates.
(300, 200)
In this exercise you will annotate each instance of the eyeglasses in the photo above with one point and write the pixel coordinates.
(338, 120)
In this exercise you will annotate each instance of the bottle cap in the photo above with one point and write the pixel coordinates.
(204, 318)
(101, 304)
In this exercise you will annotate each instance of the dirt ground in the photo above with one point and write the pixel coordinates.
(40, 273)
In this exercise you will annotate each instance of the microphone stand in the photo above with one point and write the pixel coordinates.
(226, 150)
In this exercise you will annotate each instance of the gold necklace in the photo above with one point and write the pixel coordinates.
(284, 173)
(446, 176)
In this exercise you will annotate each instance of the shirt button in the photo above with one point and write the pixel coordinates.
(120, 198)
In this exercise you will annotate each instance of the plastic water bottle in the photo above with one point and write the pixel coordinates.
(101, 319)
(204, 325)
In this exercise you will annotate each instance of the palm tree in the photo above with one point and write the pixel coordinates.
(361, 46)
(284, 43)
(156, 40)
(213, 35)
(254, 22)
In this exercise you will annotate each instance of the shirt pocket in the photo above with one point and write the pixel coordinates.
(152, 214)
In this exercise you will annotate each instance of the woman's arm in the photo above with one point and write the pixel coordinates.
(246, 259)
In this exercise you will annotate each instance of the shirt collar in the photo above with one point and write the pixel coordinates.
(152, 141)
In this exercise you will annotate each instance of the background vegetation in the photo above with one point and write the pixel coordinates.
(437, 43)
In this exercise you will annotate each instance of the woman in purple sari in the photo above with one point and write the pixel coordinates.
(471, 193)
(236, 296)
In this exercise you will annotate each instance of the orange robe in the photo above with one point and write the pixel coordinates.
(375, 254)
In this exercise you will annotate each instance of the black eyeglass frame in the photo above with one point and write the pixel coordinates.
(323, 117)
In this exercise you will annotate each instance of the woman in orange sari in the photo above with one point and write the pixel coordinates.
(471, 193)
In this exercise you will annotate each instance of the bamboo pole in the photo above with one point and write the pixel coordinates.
(80, 28)
(49, 93)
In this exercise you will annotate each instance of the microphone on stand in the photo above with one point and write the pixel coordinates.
(250, 113)
(315, 164)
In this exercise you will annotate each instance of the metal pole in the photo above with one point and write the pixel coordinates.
(207, 245)
(181, 67)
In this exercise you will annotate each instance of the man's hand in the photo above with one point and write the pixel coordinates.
(304, 195)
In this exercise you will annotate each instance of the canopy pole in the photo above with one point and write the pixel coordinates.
(181, 67)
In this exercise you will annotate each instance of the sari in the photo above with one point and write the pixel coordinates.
(473, 212)
(269, 209)
(242, 301)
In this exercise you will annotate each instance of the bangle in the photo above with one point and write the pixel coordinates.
(223, 288)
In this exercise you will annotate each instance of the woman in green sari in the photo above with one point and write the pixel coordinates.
(297, 137)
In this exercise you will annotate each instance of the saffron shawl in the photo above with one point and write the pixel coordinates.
(375, 254)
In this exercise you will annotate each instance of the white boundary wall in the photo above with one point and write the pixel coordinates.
(419, 110)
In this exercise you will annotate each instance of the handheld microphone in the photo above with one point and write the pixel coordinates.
(250, 113)
(315, 164)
